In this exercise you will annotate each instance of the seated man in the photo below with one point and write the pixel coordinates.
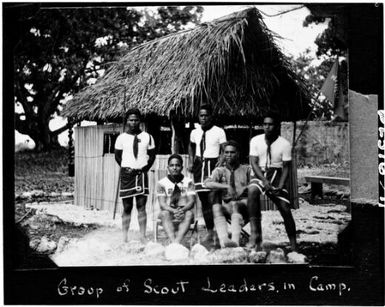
(230, 182)
(176, 196)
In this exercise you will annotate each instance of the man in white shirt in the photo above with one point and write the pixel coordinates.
(176, 196)
(135, 154)
(205, 148)
(270, 158)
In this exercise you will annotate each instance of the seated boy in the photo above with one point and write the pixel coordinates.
(230, 182)
(176, 196)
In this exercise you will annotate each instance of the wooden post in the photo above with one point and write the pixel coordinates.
(71, 151)
(178, 131)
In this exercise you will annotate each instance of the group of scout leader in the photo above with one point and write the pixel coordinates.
(227, 190)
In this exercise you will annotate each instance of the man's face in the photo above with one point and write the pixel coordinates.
(204, 118)
(133, 122)
(269, 126)
(174, 167)
(231, 154)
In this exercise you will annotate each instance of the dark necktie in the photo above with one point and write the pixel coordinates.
(175, 196)
(202, 145)
(232, 178)
(135, 146)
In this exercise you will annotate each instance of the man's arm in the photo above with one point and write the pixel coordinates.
(163, 204)
(285, 173)
(254, 162)
(190, 203)
(221, 157)
(151, 158)
(191, 156)
(118, 156)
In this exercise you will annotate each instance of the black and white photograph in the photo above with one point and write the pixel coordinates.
(202, 153)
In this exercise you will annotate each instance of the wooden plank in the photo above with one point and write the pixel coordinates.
(325, 179)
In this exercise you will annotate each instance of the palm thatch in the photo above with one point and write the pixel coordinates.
(231, 63)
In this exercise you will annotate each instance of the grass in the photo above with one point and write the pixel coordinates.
(47, 171)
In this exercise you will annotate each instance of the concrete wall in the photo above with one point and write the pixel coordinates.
(363, 146)
(321, 142)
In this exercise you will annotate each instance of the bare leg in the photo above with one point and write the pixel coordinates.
(142, 215)
(206, 198)
(221, 227)
(126, 216)
(184, 226)
(254, 207)
(288, 220)
(167, 223)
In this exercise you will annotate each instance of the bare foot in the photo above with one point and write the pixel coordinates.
(229, 243)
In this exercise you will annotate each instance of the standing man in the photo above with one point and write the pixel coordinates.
(206, 145)
(270, 158)
(176, 196)
(230, 183)
(135, 154)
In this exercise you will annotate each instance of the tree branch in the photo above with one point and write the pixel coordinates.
(62, 129)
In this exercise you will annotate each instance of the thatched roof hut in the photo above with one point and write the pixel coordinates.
(231, 63)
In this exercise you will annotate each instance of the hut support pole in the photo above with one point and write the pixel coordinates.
(177, 137)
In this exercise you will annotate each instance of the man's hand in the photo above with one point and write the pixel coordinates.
(267, 185)
(179, 214)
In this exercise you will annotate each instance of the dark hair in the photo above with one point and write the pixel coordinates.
(134, 111)
(274, 115)
(232, 143)
(175, 156)
(206, 107)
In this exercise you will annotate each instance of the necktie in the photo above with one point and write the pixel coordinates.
(232, 178)
(203, 143)
(135, 146)
(175, 196)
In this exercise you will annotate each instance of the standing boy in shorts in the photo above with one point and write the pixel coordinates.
(206, 145)
(135, 154)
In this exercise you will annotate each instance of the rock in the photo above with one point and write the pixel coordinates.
(154, 249)
(257, 257)
(295, 257)
(43, 203)
(276, 256)
(229, 255)
(133, 247)
(54, 194)
(63, 241)
(175, 252)
(67, 194)
(34, 243)
(199, 253)
(46, 246)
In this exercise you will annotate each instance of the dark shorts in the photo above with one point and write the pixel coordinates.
(202, 169)
(274, 176)
(131, 184)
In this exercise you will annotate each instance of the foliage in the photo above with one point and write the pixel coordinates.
(315, 75)
(61, 50)
(329, 42)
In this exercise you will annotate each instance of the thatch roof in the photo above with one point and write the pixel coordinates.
(231, 63)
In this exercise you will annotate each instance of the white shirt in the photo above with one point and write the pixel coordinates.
(214, 138)
(280, 151)
(166, 188)
(125, 142)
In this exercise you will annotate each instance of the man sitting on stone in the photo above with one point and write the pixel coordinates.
(176, 196)
(230, 183)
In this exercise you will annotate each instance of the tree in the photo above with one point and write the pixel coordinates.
(62, 50)
(315, 76)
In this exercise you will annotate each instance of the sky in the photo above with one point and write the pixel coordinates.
(295, 39)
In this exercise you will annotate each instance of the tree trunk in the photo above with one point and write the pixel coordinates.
(44, 139)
